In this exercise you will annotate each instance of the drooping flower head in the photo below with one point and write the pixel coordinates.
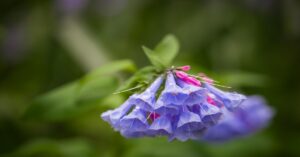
(183, 106)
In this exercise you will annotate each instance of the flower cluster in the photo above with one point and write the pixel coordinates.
(188, 107)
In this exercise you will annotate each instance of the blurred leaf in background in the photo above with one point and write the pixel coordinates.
(77, 97)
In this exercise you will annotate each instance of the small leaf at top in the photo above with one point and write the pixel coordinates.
(164, 53)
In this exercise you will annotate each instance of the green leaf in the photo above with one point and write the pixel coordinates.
(154, 58)
(79, 96)
(167, 49)
(164, 53)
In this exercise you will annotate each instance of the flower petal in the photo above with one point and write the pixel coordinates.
(252, 115)
(196, 94)
(173, 94)
(161, 126)
(113, 116)
(136, 121)
(210, 114)
(230, 100)
(189, 126)
(147, 99)
(163, 108)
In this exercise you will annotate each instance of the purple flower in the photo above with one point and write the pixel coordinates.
(196, 94)
(134, 124)
(171, 97)
(162, 108)
(252, 115)
(185, 111)
(147, 99)
(161, 126)
(173, 94)
(210, 114)
(189, 126)
(113, 116)
(230, 100)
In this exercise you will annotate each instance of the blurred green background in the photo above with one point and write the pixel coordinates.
(251, 45)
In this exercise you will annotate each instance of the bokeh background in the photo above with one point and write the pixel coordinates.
(251, 45)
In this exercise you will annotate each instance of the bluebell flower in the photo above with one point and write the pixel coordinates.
(134, 124)
(189, 126)
(113, 117)
(163, 108)
(231, 100)
(171, 97)
(252, 115)
(173, 94)
(196, 94)
(147, 99)
(186, 109)
(210, 114)
(161, 126)
(144, 101)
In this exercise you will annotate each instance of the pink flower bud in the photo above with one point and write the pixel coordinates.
(192, 81)
(185, 68)
(186, 78)
(195, 81)
(182, 75)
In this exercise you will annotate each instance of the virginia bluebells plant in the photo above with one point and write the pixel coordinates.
(183, 106)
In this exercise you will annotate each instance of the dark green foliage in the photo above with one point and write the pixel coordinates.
(79, 96)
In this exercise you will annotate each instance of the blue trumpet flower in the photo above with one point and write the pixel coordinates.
(113, 117)
(196, 94)
(134, 124)
(163, 108)
(189, 126)
(135, 121)
(252, 115)
(230, 100)
(161, 126)
(147, 99)
(173, 94)
(210, 114)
